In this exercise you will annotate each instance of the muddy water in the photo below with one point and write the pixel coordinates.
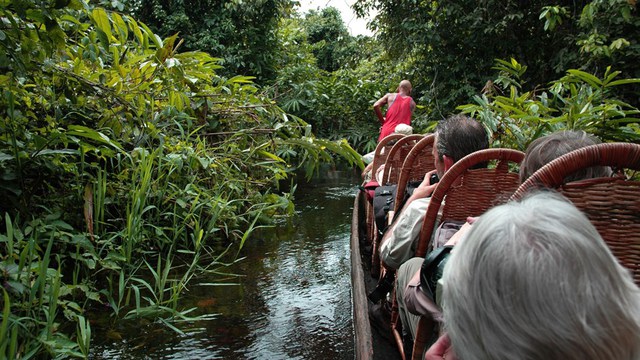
(292, 302)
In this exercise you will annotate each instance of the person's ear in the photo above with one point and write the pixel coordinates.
(448, 162)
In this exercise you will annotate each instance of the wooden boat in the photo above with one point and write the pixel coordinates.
(372, 343)
(369, 343)
(481, 189)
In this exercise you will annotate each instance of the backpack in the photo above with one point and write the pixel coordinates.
(432, 270)
(384, 201)
(433, 264)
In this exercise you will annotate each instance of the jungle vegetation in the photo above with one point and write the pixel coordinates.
(143, 136)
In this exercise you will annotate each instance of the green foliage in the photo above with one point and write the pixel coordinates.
(610, 36)
(242, 33)
(118, 150)
(338, 104)
(329, 38)
(452, 45)
(578, 100)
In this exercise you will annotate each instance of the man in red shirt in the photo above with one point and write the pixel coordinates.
(399, 110)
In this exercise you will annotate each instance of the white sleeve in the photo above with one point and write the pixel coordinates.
(400, 245)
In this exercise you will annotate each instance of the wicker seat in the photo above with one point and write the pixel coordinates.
(379, 158)
(395, 160)
(418, 162)
(612, 204)
(382, 151)
(469, 192)
(478, 190)
(392, 169)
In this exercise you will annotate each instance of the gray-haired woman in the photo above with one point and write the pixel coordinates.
(534, 280)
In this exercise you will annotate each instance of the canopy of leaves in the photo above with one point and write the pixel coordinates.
(336, 103)
(329, 38)
(241, 32)
(452, 45)
(122, 149)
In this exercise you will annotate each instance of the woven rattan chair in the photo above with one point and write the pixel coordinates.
(612, 204)
(395, 160)
(379, 158)
(468, 192)
(392, 168)
(383, 149)
(418, 162)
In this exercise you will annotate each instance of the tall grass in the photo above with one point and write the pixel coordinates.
(137, 205)
(32, 296)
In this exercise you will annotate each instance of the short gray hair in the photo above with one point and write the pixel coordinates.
(543, 150)
(459, 136)
(534, 280)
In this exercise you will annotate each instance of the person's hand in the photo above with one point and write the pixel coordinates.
(462, 232)
(424, 189)
(441, 350)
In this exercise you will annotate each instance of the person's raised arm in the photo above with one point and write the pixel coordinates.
(424, 190)
(376, 107)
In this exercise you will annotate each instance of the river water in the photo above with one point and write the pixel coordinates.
(293, 300)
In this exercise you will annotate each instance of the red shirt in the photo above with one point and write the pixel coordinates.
(398, 113)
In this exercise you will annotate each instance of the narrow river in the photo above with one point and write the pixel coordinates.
(292, 302)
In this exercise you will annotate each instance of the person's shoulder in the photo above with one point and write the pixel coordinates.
(419, 204)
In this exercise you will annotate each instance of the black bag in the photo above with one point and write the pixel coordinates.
(432, 269)
(384, 200)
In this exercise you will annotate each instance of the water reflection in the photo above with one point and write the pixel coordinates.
(292, 302)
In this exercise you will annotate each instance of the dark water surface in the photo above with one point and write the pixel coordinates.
(292, 302)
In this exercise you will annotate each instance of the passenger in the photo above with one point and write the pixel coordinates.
(455, 138)
(534, 280)
(412, 299)
(399, 110)
(543, 150)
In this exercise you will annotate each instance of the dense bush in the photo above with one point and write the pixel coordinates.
(452, 45)
(121, 155)
(576, 101)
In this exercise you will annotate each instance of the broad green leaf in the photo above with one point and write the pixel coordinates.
(586, 77)
(88, 133)
(157, 41)
(101, 19)
(270, 156)
(120, 26)
(624, 82)
(60, 152)
(5, 157)
(136, 29)
(241, 79)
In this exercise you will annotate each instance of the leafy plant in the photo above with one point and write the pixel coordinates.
(118, 151)
(578, 100)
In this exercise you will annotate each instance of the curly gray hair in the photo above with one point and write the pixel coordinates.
(534, 280)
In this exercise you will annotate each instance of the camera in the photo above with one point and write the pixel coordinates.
(433, 179)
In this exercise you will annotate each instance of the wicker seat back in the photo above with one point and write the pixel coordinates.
(396, 158)
(469, 192)
(382, 151)
(612, 204)
(418, 162)
(475, 190)
(379, 158)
